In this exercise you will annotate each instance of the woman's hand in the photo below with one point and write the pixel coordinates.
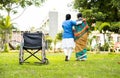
(76, 34)
(86, 27)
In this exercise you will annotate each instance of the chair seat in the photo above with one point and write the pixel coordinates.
(36, 47)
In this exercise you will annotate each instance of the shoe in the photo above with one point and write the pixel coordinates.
(77, 60)
(84, 59)
(66, 58)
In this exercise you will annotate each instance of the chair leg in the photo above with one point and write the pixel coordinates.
(21, 54)
(32, 54)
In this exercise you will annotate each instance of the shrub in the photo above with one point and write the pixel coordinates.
(104, 47)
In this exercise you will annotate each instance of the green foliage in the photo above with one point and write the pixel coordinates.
(105, 47)
(10, 6)
(5, 23)
(49, 41)
(104, 26)
(87, 13)
(6, 47)
(59, 36)
(98, 23)
(22, 3)
(112, 27)
(5, 30)
(115, 27)
(100, 16)
(103, 10)
(88, 48)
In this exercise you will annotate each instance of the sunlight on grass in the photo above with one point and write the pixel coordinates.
(97, 66)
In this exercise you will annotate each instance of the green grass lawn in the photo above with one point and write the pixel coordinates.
(97, 66)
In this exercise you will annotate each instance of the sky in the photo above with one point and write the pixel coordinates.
(33, 16)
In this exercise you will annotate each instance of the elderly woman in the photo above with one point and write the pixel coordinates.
(81, 35)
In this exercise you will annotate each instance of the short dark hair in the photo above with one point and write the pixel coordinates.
(68, 16)
(79, 15)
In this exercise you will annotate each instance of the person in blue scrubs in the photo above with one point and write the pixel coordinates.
(68, 36)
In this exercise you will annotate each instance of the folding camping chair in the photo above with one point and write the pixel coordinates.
(33, 43)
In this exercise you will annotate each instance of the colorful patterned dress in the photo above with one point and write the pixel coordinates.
(81, 35)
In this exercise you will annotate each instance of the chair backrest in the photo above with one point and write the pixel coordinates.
(32, 40)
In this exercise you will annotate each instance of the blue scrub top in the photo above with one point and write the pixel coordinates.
(67, 27)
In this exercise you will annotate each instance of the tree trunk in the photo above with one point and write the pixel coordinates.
(6, 44)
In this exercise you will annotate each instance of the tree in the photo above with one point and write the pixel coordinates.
(109, 9)
(10, 6)
(6, 29)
